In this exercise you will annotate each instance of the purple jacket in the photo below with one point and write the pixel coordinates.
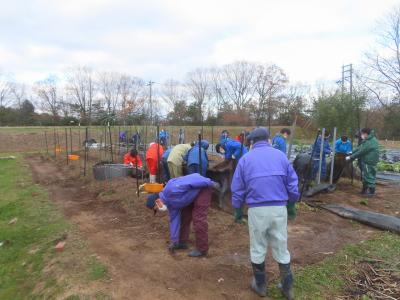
(264, 177)
(179, 193)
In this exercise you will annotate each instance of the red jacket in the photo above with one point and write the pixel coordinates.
(134, 160)
(152, 152)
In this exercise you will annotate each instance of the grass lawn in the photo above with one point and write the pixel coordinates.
(29, 265)
(327, 279)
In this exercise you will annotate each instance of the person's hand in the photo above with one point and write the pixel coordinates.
(291, 211)
(348, 158)
(233, 157)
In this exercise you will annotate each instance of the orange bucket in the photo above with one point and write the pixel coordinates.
(73, 157)
(153, 187)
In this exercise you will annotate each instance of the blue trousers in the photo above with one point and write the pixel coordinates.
(166, 175)
(195, 168)
(315, 166)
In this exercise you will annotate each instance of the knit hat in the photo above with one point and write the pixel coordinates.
(259, 134)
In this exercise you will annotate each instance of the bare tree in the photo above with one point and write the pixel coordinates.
(5, 91)
(46, 90)
(18, 91)
(199, 87)
(239, 82)
(217, 89)
(81, 91)
(173, 92)
(382, 77)
(269, 82)
(109, 88)
(132, 95)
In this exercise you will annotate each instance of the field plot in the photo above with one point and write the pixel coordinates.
(126, 255)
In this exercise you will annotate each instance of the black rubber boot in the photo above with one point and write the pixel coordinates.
(259, 282)
(197, 253)
(370, 192)
(182, 246)
(286, 281)
(364, 190)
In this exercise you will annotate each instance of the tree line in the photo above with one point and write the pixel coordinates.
(238, 93)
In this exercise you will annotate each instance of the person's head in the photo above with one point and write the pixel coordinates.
(326, 135)
(365, 132)
(155, 203)
(344, 138)
(151, 201)
(220, 148)
(134, 152)
(285, 132)
(258, 135)
(204, 144)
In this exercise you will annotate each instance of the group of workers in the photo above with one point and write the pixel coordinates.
(263, 179)
(367, 154)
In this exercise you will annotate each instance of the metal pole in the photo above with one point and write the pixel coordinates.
(212, 138)
(158, 154)
(66, 144)
(55, 144)
(333, 155)
(58, 141)
(79, 138)
(86, 150)
(352, 147)
(200, 162)
(47, 147)
(70, 139)
(241, 144)
(292, 137)
(111, 147)
(321, 153)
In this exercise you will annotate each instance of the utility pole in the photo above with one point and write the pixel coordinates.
(347, 76)
(150, 85)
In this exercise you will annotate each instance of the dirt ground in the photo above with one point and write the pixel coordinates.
(133, 243)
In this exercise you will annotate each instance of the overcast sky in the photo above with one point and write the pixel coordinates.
(309, 39)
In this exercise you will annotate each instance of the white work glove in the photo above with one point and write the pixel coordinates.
(233, 157)
(163, 208)
(348, 158)
(131, 164)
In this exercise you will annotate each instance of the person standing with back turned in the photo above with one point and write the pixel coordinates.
(265, 180)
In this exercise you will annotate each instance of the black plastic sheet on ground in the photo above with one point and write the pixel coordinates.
(373, 219)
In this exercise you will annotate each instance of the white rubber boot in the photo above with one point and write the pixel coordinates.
(152, 178)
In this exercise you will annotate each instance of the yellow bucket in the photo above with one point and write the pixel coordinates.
(153, 187)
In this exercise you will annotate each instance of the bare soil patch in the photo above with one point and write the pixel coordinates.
(132, 243)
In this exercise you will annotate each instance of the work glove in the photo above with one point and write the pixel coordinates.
(238, 215)
(348, 158)
(233, 157)
(291, 210)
